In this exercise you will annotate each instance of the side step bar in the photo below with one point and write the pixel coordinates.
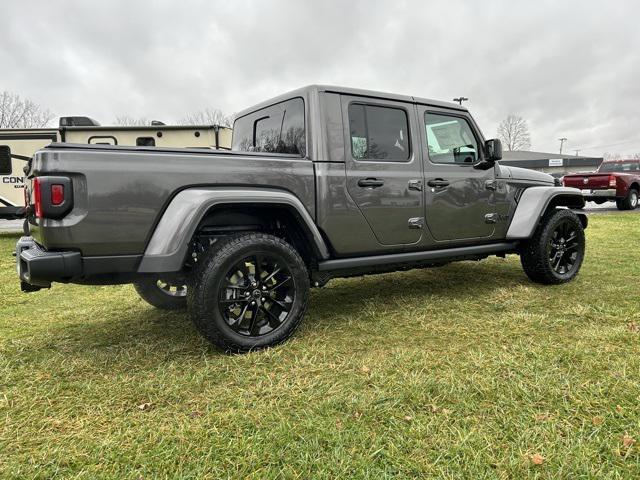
(444, 254)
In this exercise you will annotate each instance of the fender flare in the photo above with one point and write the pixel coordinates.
(533, 204)
(169, 244)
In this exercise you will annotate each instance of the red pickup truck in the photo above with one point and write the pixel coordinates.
(617, 180)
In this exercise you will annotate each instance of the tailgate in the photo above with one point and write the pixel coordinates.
(592, 181)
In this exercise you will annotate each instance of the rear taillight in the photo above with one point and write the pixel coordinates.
(37, 197)
(57, 194)
(51, 197)
(612, 180)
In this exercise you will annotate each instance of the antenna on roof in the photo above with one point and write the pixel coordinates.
(460, 100)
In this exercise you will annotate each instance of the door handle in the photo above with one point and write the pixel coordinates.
(438, 183)
(370, 182)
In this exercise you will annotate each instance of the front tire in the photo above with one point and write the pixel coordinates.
(555, 253)
(630, 202)
(249, 293)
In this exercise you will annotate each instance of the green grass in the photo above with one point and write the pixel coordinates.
(465, 371)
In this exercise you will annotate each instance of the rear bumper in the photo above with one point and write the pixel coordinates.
(37, 268)
(605, 193)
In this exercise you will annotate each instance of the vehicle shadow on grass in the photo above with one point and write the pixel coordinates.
(454, 281)
(145, 331)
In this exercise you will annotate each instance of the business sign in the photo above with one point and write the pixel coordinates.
(556, 162)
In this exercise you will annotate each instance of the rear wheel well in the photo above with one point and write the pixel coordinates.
(635, 186)
(279, 220)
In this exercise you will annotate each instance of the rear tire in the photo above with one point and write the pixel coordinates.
(250, 292)
(630, 202)
(161, 294)
(555, 253)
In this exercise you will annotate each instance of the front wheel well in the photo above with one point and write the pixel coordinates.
(569, 202)
(279, 220)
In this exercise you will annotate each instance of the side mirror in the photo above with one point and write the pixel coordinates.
(493, 150)
(5, 160)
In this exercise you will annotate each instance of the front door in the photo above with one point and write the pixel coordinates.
(459, 200)
(384, 171)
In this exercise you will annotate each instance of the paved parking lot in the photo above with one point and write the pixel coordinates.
(10, 225)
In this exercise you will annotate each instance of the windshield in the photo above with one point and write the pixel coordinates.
(630, 166)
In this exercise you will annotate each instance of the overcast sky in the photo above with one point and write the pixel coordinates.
(570, 68)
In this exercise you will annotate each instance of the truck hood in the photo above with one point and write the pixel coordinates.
(517, 173)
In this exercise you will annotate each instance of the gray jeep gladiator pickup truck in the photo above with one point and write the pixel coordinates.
(322, 182)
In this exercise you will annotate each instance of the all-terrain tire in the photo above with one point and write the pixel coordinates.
(630, 202)
(211, 292)
(559, 238)
(151, 290)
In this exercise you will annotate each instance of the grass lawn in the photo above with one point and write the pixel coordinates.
(465, 371)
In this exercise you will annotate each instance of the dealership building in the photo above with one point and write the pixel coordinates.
(550, 162)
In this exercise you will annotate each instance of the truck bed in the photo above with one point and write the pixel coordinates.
(121, 192)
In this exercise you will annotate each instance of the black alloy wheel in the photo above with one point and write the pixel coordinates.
(564, 248)
(162, 293)
(257, 295)
(170, 289)
(250, 291)
(555, 252)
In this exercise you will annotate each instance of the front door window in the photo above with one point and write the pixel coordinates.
(450, 139)
(458, 203)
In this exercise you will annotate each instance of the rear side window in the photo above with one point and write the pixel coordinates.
(275, 129)
(379, 133)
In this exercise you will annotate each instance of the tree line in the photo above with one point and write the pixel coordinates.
(20, 112)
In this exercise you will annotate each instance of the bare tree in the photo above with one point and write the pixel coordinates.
(18, 112)
(127, 121)
(208, 116)
(514, 133)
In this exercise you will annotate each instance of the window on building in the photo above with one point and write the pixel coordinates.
(145, 142)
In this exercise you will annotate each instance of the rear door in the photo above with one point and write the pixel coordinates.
(459, 200)
(384, 171)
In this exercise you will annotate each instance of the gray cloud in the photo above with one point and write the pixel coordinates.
(570, 68)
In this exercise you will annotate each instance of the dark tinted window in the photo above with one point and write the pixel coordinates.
(5, 160)
(275, 129)
(607, 167)
(450, 139)
(146, 142)
(378, 133)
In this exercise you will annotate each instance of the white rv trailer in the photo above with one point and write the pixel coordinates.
(17, 146)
